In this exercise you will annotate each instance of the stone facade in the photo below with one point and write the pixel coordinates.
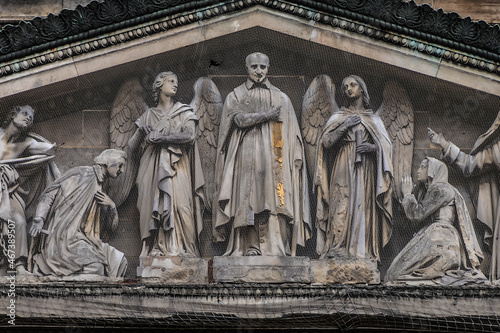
(72, 81)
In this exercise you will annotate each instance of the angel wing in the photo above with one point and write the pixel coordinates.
(318, 105)
(396, 112)
(207, 104)
(129, 104)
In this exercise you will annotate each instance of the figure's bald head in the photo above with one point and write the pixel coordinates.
(257, 66)
(257, 56)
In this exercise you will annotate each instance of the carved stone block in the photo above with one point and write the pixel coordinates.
(345, 270)
(262, 269)
(174, 269)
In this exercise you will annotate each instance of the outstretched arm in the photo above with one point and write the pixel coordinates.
(37, 147)
(42, 210)
(468, 164)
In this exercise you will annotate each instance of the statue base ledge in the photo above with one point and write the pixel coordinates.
(345, 270)
(173, 269)
(261, 269)
(35, 279)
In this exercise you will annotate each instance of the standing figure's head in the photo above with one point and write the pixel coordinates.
(257, 66)
(166, 84)
(353, 88)
(113, 161)
(21, 117)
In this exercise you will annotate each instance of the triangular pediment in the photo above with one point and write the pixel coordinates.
(91, 49)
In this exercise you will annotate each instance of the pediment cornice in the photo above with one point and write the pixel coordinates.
(95, 26)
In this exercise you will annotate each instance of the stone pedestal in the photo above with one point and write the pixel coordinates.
(261, 269)
(174, 269)
(344, 271)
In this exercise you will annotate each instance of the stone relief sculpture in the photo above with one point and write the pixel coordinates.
(355, 150)
(163, 144)
(23, 156)
(261, 205)
(446, 249)
(73, 209)
(481, 165)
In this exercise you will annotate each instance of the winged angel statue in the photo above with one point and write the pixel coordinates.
(360, 156)
(169, 147)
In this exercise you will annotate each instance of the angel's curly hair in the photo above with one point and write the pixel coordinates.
(13, 113)
(159, 81)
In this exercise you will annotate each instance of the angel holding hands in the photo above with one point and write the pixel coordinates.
(165, 140)
(353, 178)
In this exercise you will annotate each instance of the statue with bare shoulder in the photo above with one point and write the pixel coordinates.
(26, 166)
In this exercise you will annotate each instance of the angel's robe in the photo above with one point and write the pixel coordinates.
(73, 219)
(262, 202)
(354, 207)
(169, 182)
(482, 166)
(447, 244)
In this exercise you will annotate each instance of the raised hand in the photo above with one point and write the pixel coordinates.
(437, 139)
(406, 185)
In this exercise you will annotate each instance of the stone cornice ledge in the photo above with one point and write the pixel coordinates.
(395, 22)
(265, 305)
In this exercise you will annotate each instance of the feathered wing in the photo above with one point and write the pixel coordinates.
(396, 112)
(207, 104)
(129, 104)
(318, 105)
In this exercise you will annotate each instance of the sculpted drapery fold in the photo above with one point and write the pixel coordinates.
(354, 207)
(482, 167)
(74, 218)
(168, 181)
(447, 243)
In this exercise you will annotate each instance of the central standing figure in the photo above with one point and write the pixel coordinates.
(261, 205)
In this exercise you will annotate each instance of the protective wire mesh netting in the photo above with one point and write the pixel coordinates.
(77, 112)
(257, 306)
